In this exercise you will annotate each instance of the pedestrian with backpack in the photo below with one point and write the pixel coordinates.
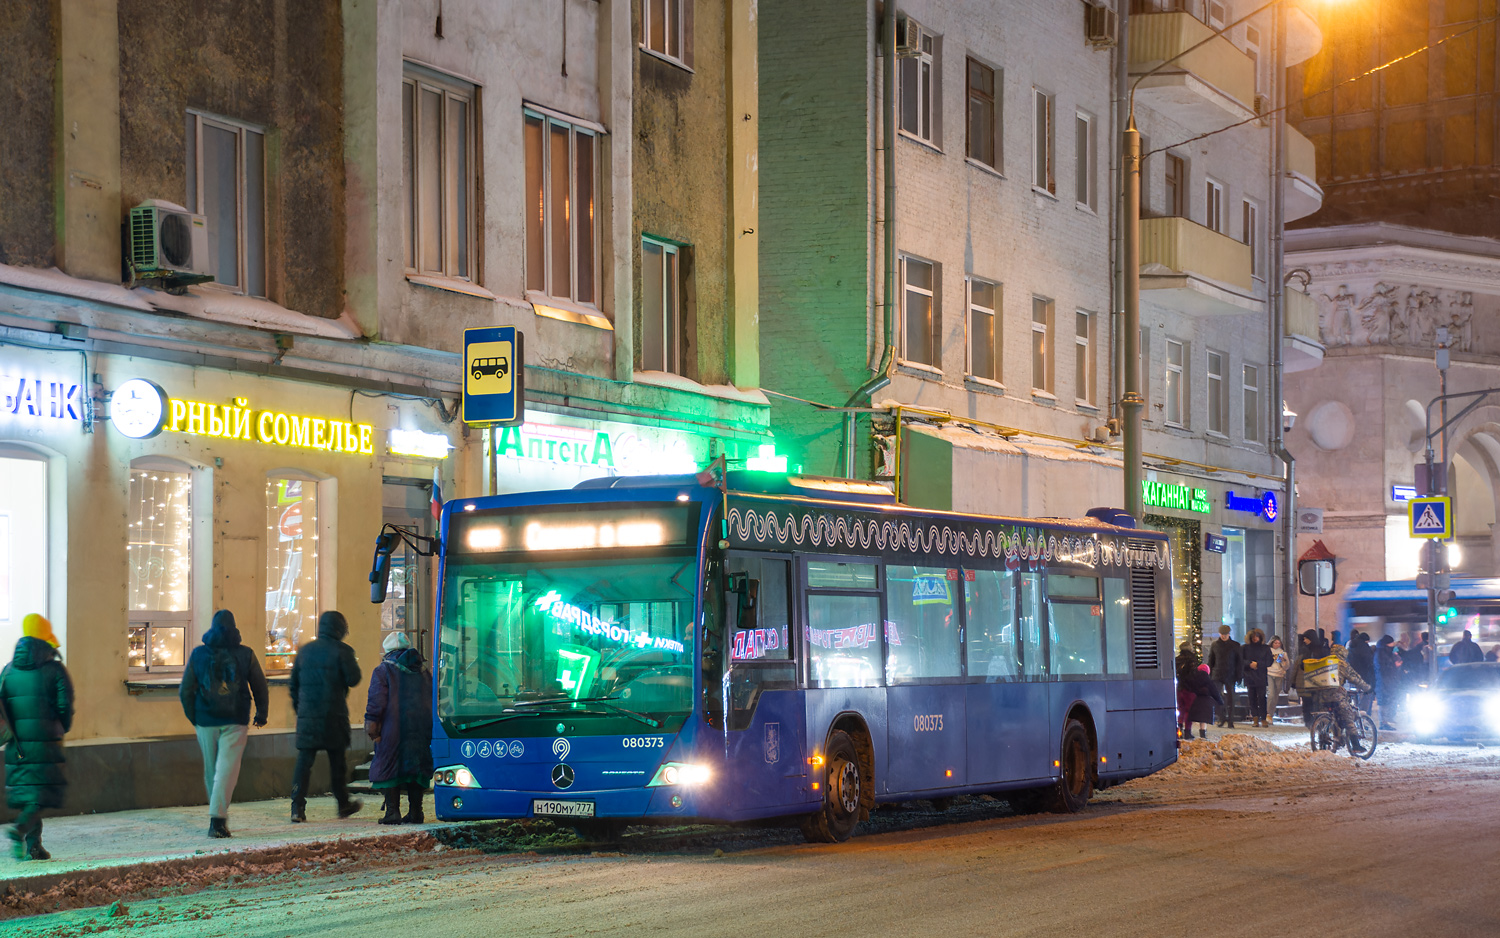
(221, 678)
(36, 696)
(322, 673)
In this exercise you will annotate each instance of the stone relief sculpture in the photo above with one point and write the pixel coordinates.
(1394, 315)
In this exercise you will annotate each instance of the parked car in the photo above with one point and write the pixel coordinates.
(1466, 704)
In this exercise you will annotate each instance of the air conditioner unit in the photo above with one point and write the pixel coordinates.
(908, 38)
(169, 242)
(1100, 25)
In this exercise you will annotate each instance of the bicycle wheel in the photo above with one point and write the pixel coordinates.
(1325, 732)
(1368, 734)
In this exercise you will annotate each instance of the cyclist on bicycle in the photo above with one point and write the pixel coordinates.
(1334, 699)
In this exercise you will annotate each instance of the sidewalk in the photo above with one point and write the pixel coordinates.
(127, 841)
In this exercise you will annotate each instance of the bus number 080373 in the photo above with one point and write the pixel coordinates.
(927, 722)
(643, 742)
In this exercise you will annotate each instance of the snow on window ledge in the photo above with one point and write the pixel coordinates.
(236, 310)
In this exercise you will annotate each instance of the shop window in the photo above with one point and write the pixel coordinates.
(23, 543)
(226, 182)
(292, 506)
(990, 628)
(438, 173)
(922, 623)
(562, 246)
(159, 560)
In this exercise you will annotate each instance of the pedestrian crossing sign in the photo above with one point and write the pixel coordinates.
(1431, 517)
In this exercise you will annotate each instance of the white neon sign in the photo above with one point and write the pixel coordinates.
(417, 443)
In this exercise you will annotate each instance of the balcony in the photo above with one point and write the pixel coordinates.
(1195, 269)
(1207, 89)
(1301, 348)
(1303, 35)
(1301, 194)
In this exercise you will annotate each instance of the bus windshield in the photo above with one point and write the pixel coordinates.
(594, 635)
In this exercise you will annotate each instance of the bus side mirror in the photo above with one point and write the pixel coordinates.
(380, 566)
(748, 591)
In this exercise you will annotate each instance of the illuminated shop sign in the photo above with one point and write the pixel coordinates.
(43, 398)
(417, 443)
(596, 448)
(1180, 497)
(239, 421)
(1264, 505)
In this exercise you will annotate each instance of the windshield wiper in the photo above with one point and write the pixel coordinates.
(602, 701)
(500, 719)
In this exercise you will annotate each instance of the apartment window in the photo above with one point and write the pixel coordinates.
(984, 331)
(922, 316)
(1083, 362)
(292, 505)
(661, 307)
(562, 244)
(1250, 234)
(1176, 186)
(1251, 387)
(159, 564)
(1083, 171)
(1218, 400)
(667, 29)
(1252, 49)
(438, 168)
(1213, 208)
(1042, 174)
(226, 182)
(1041, 344)
(984, 114)
(1176, 415)
(921, 91)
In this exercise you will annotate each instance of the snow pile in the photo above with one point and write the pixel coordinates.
(1236, 764)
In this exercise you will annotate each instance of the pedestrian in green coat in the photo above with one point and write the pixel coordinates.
(38, 699)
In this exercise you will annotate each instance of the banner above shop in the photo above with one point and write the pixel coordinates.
(1264, 504)
(1181, 497)
(553, 451)
(47, 401)
(141, 409)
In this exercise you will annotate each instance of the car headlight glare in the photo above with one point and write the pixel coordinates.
(1427, 710)
(680, 773)
(1492, 710)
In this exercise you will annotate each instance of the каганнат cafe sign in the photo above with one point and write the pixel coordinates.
(140, 409)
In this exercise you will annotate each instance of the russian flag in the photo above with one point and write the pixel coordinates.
(437, 494)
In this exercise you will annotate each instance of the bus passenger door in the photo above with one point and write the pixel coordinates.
(764, 717)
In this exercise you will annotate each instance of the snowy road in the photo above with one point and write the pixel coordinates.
(1238, 839)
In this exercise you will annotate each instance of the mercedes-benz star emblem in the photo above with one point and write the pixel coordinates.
(562, 775)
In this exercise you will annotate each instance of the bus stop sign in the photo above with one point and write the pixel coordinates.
(494, 377)
(1431, 517)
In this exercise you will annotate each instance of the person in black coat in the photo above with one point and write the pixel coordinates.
(1187, 660)
(322, 674)
(1465, 650)
(1226, 669)
(221, 679)
(1361, 656)
(38, 698)
(1207, 694)
(1387, 680)
(1256, 656)
(398, 717)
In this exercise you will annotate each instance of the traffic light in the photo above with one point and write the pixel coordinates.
(1446, 614)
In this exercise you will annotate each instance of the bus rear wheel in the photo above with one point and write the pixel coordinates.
(843, 792)
(1076, 785)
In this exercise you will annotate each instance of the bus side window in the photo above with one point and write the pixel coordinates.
(1033, 647)
(760, 649)
(990, 633)
(1116, 626)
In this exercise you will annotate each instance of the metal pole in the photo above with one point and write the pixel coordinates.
(1122, 117)
(1439, 560)
(1276, 298)
(1130, 238)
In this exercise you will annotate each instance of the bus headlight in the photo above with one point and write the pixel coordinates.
(1492, 710)
(1427, 711)
(457, 776)
(680, 773)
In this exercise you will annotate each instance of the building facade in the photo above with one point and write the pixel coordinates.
(989, 331)
(1400, 262)
(368, 181)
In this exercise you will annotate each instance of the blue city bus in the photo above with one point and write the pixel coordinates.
(742, 646)
(1398, 608)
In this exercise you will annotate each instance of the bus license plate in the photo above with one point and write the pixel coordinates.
(562, 808)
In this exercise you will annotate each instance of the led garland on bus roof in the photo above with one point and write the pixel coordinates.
(551, 602)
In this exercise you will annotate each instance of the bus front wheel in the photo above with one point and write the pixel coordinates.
(1076, 785)
(842, 794)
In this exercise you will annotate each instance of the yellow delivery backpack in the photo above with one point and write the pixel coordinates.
(1321, 673)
